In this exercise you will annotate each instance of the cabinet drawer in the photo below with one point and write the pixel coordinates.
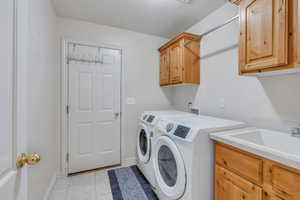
(230, 186)
(240, 163)
(285, 182)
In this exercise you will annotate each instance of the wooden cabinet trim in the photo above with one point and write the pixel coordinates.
(237, 2)
(294, 33)
(177, 38)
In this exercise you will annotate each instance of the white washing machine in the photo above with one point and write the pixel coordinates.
(183, 157)
(145, 138)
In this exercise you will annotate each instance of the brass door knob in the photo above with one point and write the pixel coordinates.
(30, 160)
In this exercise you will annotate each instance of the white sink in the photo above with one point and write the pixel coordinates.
(277, 146)
(275, 140)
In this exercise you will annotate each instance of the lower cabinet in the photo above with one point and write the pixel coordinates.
(240, 175)
(230, 186)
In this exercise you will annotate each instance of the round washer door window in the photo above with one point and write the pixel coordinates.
(167, 165)
(169, 169)
(143, 144)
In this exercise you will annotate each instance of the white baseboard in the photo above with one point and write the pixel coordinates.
(129, 161)
(50, 187)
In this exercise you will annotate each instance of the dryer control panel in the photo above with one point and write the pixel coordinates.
(176, 130)
(182, 131)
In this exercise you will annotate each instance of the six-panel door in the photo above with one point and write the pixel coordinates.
(94, 97)
(264, 34)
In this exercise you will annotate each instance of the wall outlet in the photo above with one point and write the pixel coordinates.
(222, 103)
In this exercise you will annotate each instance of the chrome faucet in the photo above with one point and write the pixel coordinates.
(295, 131)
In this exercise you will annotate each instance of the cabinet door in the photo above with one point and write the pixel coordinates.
(264, 34)
(176, 63)
(282, 181)
(164, 68)
(229, 186)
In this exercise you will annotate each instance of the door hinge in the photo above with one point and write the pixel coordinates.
(67, 109)
(67, 157)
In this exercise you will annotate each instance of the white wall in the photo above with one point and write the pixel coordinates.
(42, 100)
(140, 68)
(270, 102)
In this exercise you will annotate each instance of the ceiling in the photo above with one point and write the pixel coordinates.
(164, 18)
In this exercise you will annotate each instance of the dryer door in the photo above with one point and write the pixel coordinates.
(169, 169)
(143, 144)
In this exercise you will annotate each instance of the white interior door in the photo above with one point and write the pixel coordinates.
(94, 103)
(9, 175)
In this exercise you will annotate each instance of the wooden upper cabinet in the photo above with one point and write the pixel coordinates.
(263, 34)
(176, 63)
(269, 36)
(180, 64)
(164, 68)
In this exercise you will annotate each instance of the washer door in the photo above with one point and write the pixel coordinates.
(169, 169)
(143, 144)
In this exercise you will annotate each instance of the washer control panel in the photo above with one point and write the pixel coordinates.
(145, 117)
(176, 130)
(149, 119)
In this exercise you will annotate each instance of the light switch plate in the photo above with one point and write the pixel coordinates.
(130, 100)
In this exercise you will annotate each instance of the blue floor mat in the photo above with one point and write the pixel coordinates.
(128, 183)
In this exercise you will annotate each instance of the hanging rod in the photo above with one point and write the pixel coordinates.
(212, 30)
(83, 60)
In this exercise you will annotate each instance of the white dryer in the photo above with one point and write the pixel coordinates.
(145, 138)
(183, 157)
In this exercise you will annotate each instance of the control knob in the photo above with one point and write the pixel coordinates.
(169, 127)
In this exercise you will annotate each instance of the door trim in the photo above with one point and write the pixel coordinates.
(18, 92)
(64, 101)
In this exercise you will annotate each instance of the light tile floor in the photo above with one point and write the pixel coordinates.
(88, 186)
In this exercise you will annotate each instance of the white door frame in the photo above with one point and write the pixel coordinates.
(20, 56)
(20, 88)
(64, 100)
